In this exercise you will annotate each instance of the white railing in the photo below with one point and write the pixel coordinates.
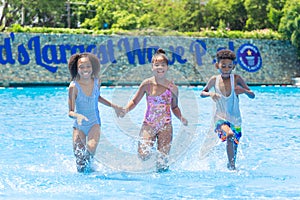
(296, 81)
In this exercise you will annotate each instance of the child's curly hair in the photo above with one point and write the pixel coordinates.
(73, 68)
(225, 54)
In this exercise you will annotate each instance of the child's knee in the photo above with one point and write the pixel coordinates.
(92, 146)
(224, 131)
(227, 129)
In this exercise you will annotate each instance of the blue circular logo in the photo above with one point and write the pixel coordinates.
(249, 58)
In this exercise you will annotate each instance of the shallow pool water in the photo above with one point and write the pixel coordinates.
(37, 161)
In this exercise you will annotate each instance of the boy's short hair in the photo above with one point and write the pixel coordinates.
(225, 54)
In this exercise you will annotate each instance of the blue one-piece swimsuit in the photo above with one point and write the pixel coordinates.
(87, 106)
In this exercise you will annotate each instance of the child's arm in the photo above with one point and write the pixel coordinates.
(137, 97)
(119, 110)
(206, 93)
(175, 109)
(71, 102)
(106, 102)
(241, 87)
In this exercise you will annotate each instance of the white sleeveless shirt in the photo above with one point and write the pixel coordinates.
(227, 108)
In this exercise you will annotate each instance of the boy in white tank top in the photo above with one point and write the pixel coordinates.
(227, 117)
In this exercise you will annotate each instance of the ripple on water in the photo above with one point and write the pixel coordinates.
(38, 160)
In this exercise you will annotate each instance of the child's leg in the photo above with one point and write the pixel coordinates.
(79, 140)
(147, 139)
(231, 152)
(93, 139)
(164, 139)
(231, 147)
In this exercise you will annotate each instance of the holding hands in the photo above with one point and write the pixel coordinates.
(120, 112)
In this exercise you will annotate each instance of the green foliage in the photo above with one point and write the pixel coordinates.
(175, 15)
(257, 34)
(211, 13)
(144, 21)
(275, 12)
(116, 14)
(238, 15)
(229, 13)
(124, 20)
(257, 14)
(222, 25)
(290, 22)
(33, 13)
(259, 19)
(192, 18)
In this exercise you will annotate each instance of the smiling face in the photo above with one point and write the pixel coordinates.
(225, 67)
(159, 67)
(85, 69)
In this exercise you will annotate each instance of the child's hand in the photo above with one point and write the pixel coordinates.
(184, 121)
(80, 117)
(123, 113)
(120, 112)
(215, 97)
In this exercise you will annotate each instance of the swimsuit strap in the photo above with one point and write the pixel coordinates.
(232, 82)
(78, 87)
(217, 84)
(95, 88)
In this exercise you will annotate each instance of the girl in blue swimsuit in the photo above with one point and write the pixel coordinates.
(84, 95)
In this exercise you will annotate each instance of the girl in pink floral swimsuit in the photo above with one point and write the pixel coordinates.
(158, 112)
(162, 97)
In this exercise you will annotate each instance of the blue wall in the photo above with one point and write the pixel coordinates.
(42, 58)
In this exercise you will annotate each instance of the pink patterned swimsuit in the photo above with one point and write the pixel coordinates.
(158, 112)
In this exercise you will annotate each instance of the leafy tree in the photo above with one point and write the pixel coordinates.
(181, 15)
(214, 11)
(124, 20)
(144, 21)
(290, 22)
(238, 15)
(168, 14)
(178, 15)
(192, 19)
(257, 14)
(110, 14)
(145, 17)
(32, 12)
(225, 14)
(75, 13)
(275, 12)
